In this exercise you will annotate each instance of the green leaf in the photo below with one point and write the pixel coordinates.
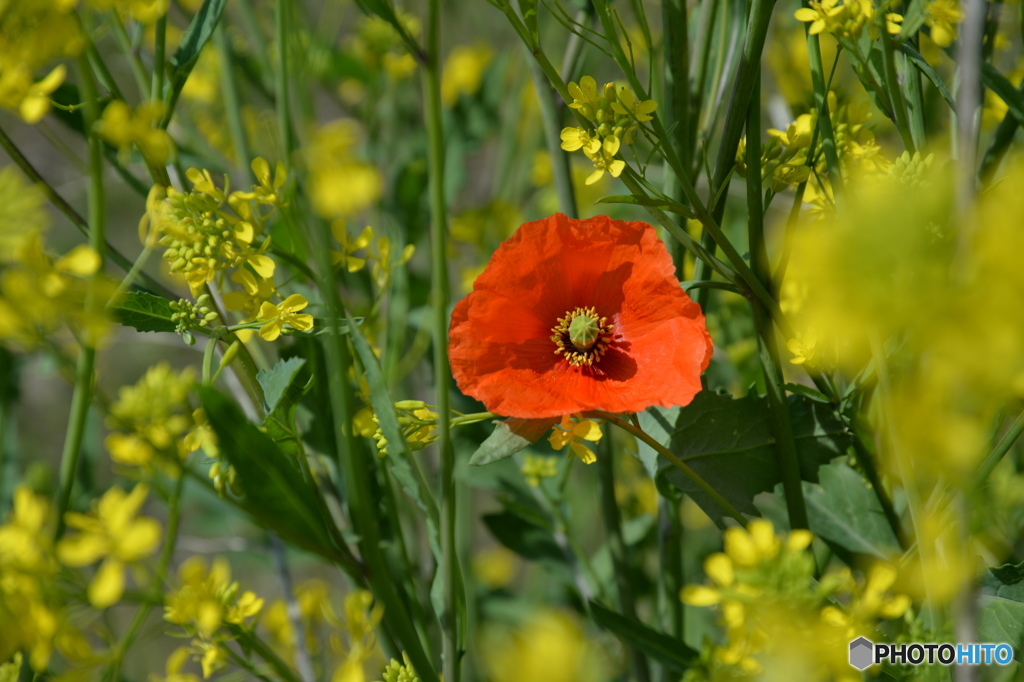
(198, 33)
(1000, 620)
(1008, 574)
(525, 538)
(998, 83)
(145, 312)
(844, 509)
(276, 493)
(509, 437)
(649, 202)
(808, 392)
(275, 381)
(927, 70)
(670, 652)
(730, 444)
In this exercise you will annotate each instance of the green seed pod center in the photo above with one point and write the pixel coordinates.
(583, 331)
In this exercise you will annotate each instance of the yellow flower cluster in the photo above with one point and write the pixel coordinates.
(38, 292)
(536, 468)
(846, 20)
(400, 672)
(942, 17)
(115, 533)
(378, 254)
(575, 431)
(207, 601)
(28, 618)
(615, 115)
(340, 184)
(418, 422)
(463, 72)
(122, 127)
(772, 609)
(151, 418)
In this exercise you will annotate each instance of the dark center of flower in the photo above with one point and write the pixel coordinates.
(581, 336)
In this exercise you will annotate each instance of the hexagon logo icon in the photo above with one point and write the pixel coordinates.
(861, 653)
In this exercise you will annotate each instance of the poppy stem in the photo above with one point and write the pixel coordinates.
(674, 460)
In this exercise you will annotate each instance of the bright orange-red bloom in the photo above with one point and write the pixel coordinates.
(517, 346)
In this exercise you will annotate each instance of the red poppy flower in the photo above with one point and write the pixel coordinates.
(577, 315)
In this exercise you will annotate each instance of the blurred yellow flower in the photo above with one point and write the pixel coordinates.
(942, 16)
(114, 532)
(208, 598)
(536, 468)
(122, 127)
(495, 567)
(463, 71)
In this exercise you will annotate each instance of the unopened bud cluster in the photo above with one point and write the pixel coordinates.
(418, 424)
(188, 316)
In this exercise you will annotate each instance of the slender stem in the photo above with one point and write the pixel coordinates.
(100, 69)
(999, 451)
(129, 278)
(451, 646)
(828, 137)
(670, 552)
(677, 97)
(231, 107)
(560, 163)
(158, 59)
(892, 86)
(613, 530)
(125, 43)
(867, 463)
(302, 661)
(71, 214)
(284, 124)
(84, 373)
(675, 461)
(914, 97)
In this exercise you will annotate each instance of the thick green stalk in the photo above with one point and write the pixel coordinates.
(284, 124)
(914, 97)
(674, 460)
(616, 543)
(560, 163)
(677, 101)
(750, 67)
(84, 374)
(231, 107)
(999, 451)
(158, 59)
(451, 646)
(782, 426)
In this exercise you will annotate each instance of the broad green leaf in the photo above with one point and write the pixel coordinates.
(145, 312)
(275, 381)
(525, 538)
(276, 494)
(198, 33)
(670, 652)
(650, 202)
(730, 444)
(844, 509)
(1008, 574)
(1001, 620)
(509, 437)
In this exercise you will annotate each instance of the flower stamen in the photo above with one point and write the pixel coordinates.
(582, 336)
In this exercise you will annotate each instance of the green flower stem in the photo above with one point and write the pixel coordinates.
(125, 43)
(999, 451)
(231, 107)
(828, 137)
(85, 371)
(584, 574)
(560, 162)
(708, 11)
(159, 67)
(782, 426)
(677, 97)
(208, 356)
(249, 640)
(166, 555)
(72, 215)
(670, 553)
(617, 545)
(100, 70)
(913, 95)
(284, 123)
(867, 463)
(892, 86)
(674, 460)
(451, 646)
(302, 660)
(132, 274)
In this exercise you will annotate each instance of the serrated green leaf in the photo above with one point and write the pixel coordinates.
(275, 492)
(509, 437)
(275, 381)
(650, 202)
(670, 652)
(843, 508)
(145, 312)
(1000, 620)
(730, 444)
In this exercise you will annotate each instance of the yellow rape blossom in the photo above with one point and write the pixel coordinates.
(942, 16)
(115, 533)
(122, 127)
(152, 416)
(208, 598)
(573, 431)
(463, 72)
(340, 184)
(536, 468)
(275, 316)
